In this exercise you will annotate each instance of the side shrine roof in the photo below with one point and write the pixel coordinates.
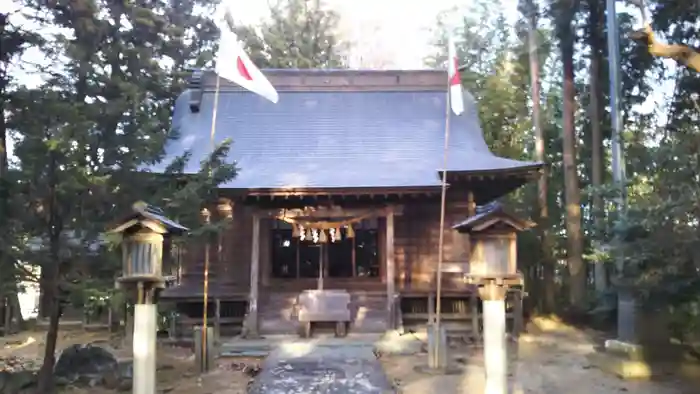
(142, 210)
(487, 215)
(335, 129)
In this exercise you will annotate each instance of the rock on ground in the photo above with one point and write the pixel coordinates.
(89, 365)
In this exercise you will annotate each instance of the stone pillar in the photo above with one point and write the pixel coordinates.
(204, 353)
(437, 337)
(495, 352)
(626, 315)
(144, 348)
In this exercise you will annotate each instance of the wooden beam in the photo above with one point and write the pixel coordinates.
(390, 268)
(252, 322)
(333, 211)
(321, 192)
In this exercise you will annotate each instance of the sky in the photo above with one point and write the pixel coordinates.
(384, 34)
(389, 34)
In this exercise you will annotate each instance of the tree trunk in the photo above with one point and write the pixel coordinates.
(577, 269)
(46, 378)
(5, 259)
(547, 262)
(54, 229)
(596, 45)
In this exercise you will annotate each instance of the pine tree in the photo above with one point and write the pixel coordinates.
(565, 11)
(13, 41)
(87, 132)
(301, 34)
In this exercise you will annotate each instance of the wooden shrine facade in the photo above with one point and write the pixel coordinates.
(389, 260)
(339, 183)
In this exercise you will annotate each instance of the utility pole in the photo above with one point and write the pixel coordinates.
(626, 304)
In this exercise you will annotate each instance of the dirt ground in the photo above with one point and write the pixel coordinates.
(543, 361)
(546, 361)
(176, 370)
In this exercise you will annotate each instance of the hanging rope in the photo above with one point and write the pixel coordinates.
(323, 224)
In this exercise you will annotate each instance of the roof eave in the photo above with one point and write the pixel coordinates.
(526, 170)
(313, 191)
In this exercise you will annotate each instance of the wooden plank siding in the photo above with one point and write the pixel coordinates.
(416, 236)
(416, 243)
(229, 266)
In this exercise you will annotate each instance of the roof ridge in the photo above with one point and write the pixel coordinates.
(314, 79)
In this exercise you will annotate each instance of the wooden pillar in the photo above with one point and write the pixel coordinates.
(518, 324)
(390, 268)
(431, 308)
(129, 324)
(8, 316)
(252, 323)
(471, 204)
(217, 320)
(172, 327)
(266, 252)
(471, 211)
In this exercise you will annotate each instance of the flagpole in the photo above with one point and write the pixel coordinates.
(441, 237)
(206, 249)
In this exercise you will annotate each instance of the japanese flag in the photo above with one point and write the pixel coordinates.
(233, 64)
(455, 82)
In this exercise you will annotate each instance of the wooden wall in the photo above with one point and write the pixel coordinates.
(229, 267)
(416, 248)
(417, 238)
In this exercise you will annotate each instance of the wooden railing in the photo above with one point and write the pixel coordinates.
(464, 310)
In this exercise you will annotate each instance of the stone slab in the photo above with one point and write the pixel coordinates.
(311, 368)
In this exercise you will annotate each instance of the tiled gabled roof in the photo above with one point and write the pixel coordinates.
(377, 136)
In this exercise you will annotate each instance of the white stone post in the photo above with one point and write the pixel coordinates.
(144, 348)
(495, 350)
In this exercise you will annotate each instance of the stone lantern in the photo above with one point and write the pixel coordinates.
(142, 234)
(493, 268)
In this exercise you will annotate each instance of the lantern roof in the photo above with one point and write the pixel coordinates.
(151, 217)
(490, 216)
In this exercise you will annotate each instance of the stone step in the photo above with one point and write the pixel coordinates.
(272, 326)
(277, 314)
(277, 300)
(369, 325)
